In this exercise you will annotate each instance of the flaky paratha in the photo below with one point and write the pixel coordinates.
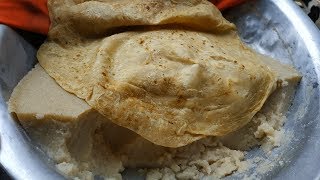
(91, 18)
(172, 85)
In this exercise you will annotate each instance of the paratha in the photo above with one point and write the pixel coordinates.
(171, 84)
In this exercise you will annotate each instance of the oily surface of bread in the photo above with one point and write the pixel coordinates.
(170, 84)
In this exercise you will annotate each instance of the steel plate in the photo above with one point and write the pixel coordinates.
(277, 28)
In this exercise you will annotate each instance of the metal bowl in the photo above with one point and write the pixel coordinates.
(277, 28)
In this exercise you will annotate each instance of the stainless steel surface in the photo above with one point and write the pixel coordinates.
(280, 29)
(277, 28)
(21, 160)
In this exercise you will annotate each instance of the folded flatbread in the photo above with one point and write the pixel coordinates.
(178, 73)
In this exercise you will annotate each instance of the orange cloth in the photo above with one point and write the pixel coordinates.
(29, 15)
(225, 4)
(32, 15)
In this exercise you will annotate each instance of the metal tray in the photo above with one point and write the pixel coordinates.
(277, 28)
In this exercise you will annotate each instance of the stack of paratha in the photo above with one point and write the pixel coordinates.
(173, 71)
